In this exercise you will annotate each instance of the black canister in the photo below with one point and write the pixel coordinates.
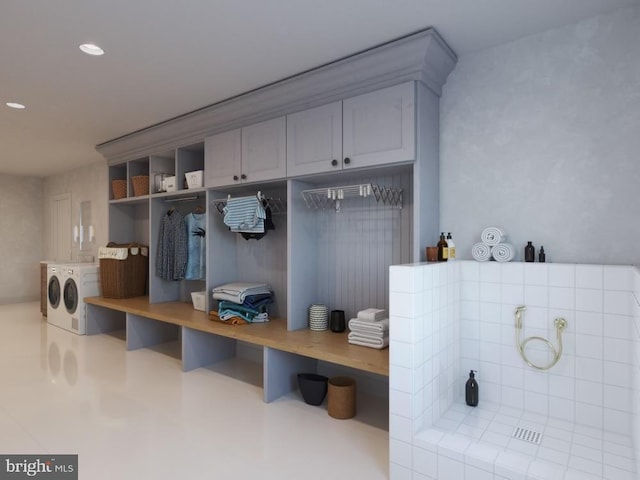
(337, 321)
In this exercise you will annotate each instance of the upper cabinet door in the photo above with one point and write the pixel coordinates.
(264, 151)
(379, 127)
(222, 159)
(314, 140)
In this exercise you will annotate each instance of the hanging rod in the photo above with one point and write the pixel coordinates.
(182, 199)
(324, 197)
(277, 205)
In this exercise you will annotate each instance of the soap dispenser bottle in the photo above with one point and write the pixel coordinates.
(529, 253)
(471, 390)
(452, 247)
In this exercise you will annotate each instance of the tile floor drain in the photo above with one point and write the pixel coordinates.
(527, 435)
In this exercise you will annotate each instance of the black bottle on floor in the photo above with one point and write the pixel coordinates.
(471, 390)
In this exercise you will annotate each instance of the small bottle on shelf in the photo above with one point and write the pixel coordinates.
(443, 249)
(529, 253)
(542, 258)
(452, 248)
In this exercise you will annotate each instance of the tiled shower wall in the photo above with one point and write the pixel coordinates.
(592, 383)
(424, 353)
(449, 318)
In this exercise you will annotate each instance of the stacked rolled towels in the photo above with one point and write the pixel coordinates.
(494, 245)
(370, 328)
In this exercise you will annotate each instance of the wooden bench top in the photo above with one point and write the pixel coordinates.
(326, 345)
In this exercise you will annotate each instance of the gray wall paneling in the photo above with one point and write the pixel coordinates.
(302, 251)
(426, 173)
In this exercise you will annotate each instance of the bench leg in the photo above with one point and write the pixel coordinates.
(145, 332)
(280, 372)
(200, 349)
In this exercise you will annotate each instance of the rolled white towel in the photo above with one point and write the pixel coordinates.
(503, 252)
(493, 236)
(481, 252)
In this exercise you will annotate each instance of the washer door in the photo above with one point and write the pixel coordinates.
(70, 295)
(53, 291)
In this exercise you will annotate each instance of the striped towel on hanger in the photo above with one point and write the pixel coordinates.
(245, 214)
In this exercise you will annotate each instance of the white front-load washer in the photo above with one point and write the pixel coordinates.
(80, 280)
(55, 281)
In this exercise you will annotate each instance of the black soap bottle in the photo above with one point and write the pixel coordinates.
(542, 258)
(471, 390)
(443, 249)
(529, 253)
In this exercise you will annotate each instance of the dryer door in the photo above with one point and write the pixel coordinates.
(53, 291)
(70, 295)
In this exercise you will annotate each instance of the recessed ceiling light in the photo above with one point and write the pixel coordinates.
(91, 49)
(15, 105)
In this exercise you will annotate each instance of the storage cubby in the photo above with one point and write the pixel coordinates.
(342, 258)
(161, 166)
(117, 172)
(233, 258)
(138, 168)
(162, 290)
(189, 159)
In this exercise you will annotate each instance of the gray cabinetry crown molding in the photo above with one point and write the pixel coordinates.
(422, 57)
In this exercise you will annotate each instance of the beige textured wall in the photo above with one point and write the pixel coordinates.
(21, 238)
(84, 184)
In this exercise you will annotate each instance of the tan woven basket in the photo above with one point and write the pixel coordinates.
(341, 396)
(119, 188)
(140, 185)
(125, 278)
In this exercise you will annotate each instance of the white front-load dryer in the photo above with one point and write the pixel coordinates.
(55, 282)
(80, 280)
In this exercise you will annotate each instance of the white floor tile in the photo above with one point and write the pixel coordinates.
(87, 395)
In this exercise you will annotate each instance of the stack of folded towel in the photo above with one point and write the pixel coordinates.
(493, 245)
(243, 301)
(370, 329)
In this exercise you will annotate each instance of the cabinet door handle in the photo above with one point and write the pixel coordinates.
(243, 176)
(347, 160)
(334, 162)
(235, 177)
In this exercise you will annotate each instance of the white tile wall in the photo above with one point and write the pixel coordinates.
(449, 318)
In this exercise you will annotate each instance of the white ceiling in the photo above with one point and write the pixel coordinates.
(165, 58)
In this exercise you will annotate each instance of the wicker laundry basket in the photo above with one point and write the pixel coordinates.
(123, 270)
(140, 185)
(119, 188)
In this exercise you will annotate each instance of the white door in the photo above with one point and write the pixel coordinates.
(222, 159)
(379, 127)
(314, 140)
(264, 151)
(61, 227)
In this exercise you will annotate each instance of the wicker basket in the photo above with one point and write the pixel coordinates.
(119, 188)
(140, 185)
(123, 270)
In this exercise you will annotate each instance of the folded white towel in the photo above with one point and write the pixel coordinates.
(356, 325)
(367, 335)
(481, 252)
(503, 252)
(379, 343)
(372, 315)
(493, 236)
(237, 291)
